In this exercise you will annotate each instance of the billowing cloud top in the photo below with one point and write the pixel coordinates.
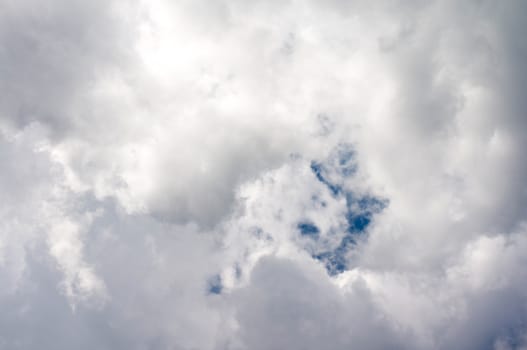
(260, 175)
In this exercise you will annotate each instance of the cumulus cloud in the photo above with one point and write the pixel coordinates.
(263, 175)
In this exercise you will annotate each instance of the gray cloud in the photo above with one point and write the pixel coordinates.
(52, 53)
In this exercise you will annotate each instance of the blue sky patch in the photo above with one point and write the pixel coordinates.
(361, 211)
(335, 261)
(372, 204)
(358, 223)
(346, 160)
(340, 164)
(319, 171)
(308, 229)
(214, 285)
(361, 208)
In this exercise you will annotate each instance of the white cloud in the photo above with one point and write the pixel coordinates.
(258, 175)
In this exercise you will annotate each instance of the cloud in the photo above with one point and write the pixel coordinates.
(286, 306)
(260, 175)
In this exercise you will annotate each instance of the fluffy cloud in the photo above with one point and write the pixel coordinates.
(263, 175)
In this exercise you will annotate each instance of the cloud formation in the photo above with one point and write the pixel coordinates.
(263, 175)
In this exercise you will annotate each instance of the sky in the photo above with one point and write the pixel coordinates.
(263, 175)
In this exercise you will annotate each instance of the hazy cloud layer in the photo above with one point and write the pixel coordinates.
(263, 175)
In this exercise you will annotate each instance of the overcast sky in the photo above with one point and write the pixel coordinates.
(263, 175)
